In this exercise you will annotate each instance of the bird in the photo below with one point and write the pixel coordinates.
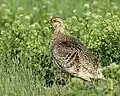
(71, 55)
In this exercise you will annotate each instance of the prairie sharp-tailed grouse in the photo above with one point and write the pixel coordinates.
(71, 55)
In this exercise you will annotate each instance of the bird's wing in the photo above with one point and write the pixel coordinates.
(72, 56)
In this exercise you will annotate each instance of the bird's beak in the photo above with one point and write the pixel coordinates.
(50, 21)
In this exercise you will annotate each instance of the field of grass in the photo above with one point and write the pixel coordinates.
(26, 65)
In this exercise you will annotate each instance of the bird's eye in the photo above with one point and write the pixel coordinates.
(54, 20)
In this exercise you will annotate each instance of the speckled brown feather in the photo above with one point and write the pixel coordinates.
(72, 56)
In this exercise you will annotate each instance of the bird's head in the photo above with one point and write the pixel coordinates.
(56, 22)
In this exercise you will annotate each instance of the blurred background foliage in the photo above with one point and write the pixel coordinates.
(26, 65)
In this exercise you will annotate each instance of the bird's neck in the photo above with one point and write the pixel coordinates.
(58, 31)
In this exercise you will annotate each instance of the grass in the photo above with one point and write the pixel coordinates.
(26, 65)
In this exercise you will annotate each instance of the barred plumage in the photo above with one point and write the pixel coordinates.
(71, 55)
